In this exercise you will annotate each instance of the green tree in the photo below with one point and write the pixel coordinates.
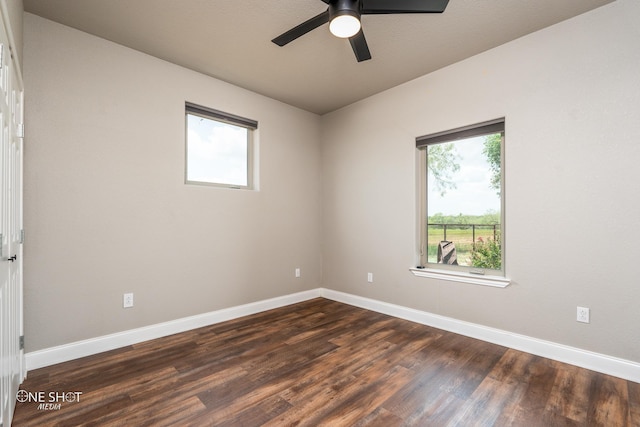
(442, 163)
(489, 218)
(492, 150)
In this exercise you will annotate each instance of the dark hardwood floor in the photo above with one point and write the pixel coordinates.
(323, 363)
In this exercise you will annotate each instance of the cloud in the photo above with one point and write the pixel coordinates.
(217, 152)
(473, 195)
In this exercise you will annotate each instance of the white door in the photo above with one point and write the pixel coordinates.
(11, 130)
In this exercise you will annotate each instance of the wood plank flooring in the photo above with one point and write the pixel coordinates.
(324, 363)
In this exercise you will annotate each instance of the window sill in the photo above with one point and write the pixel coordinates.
(454, 276)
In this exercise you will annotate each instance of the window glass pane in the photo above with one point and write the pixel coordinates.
(217, 152)
(463, 202)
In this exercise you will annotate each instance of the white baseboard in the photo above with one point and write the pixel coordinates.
(78, 349)
(609, 365)
(597, 362)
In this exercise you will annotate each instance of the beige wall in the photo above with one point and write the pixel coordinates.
(571, 98)
(106, 210)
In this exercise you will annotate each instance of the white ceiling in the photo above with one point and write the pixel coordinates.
(231, 40)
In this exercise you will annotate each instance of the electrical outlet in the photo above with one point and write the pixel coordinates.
(127, 300)
(370, 277)
(297, 272)
(583, 315)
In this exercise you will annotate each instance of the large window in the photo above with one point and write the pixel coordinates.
(219, 148)
(461, 200)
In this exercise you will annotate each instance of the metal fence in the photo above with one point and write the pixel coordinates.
(494, 227)
(464, 236)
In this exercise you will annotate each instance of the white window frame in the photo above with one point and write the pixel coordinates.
(230, 119)
(457, 273)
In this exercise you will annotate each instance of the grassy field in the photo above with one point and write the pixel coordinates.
(462, 236)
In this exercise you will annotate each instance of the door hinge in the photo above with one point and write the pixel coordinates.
(21, 342)
(20, 130)
(22, 236)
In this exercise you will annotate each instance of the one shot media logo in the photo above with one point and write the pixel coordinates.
(48, 401)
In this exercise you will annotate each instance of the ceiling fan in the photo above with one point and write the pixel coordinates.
(344, 19)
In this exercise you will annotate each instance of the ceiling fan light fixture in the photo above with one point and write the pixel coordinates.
(344, 18)
(345, 25)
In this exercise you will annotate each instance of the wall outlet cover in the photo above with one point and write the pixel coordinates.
(582, 314)
(127, 300)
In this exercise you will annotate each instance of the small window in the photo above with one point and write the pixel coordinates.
(219, 148)
(461, 199)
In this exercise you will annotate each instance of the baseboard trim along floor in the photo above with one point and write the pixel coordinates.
(88, 347)
(621, 368)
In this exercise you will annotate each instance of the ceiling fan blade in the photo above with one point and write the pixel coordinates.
(370, 7)
(360, 47)
(302, 29)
